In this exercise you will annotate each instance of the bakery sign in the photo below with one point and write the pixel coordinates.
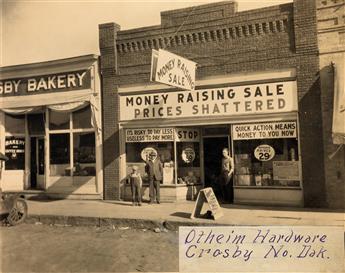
(14, 146)
(68, 81)
(250, 99)
(172, 69)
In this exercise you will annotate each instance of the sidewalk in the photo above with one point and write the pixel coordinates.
(172, 215)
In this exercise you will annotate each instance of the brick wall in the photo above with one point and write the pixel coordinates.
(277, 37)
(110, 108)
(331, 29)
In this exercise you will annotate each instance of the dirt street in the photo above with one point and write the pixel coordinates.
(43, 248)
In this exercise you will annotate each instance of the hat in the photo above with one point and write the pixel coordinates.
(134, 168)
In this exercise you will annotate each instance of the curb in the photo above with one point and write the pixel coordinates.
(60, 220)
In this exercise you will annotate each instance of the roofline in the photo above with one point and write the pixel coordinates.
(54, 62)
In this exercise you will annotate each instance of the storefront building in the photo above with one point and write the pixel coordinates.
(257, 93)
(50, 127)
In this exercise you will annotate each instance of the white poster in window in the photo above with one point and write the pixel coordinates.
(188, 155)
(264, 152)
(286, 170)
(150, 135)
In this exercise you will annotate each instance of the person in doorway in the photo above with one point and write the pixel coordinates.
(154, 170)
(226, 176)
(136, 183)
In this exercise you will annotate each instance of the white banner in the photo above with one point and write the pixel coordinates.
(277, 97)
(171, 69)
(281, 129)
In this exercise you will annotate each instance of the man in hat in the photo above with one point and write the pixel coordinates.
(154, 170)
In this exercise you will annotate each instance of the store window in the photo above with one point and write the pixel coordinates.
(36, 124)
(80, 137)
(15, 124)
(58, 121)
(15, 142)
(188, 162)
(266, 154)
(139, 143)
(137, 154)
(84, 154)
(82, 118)
(15, 151)
(59, 155)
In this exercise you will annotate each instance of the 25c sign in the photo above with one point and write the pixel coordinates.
(264, 152)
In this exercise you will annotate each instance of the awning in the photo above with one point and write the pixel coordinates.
(338, 127)
(64, 102)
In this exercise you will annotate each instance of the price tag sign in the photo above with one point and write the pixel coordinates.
(264, 152)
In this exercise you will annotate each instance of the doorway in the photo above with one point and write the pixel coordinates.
(37, 163)
(213, 147)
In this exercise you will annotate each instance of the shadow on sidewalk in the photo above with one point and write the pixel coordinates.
(43, 199)
(181, 215)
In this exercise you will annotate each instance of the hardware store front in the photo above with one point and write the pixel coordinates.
(50, 128)
(188, 130)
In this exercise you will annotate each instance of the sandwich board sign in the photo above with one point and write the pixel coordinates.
(172, 69)
(207, 196)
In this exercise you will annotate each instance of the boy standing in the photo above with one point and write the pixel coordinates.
(136, 183)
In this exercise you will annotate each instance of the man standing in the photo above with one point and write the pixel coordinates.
(227, 170)
(154, 170)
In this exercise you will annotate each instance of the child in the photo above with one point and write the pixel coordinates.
(136, 183)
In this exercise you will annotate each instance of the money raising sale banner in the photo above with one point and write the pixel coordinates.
(237, 100)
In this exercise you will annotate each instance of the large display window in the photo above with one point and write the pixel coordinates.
(266, 154)
(72, 143)
(15, 142)
(177, 149)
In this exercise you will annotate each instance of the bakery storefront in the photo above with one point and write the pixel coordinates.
(50, 127)
(256, 120)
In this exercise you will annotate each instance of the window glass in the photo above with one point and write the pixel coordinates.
(15, 151)
(188, 162)
(58, 121)
(82, 118)
(59, 155)
(15, 124)
(137, 154)
(266, 162)
(36, 124)
(84, 154)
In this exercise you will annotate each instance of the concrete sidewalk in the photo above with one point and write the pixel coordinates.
(171, 215)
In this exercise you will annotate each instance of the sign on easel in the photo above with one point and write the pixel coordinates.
(207, 196)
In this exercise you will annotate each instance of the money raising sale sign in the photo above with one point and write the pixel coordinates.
(171, 69)
(276, 97)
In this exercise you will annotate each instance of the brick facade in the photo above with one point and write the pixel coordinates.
(223, 41)
(331, 33)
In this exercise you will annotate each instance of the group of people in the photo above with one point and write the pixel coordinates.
(154, 170)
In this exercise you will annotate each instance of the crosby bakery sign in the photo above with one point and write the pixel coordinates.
(236, 100)
(68, 81)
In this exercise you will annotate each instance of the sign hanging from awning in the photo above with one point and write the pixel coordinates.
(173, 70)
(338, 128)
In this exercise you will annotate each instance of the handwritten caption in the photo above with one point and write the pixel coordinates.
(261, 249)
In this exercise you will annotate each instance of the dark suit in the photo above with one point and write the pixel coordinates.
(154, 171)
